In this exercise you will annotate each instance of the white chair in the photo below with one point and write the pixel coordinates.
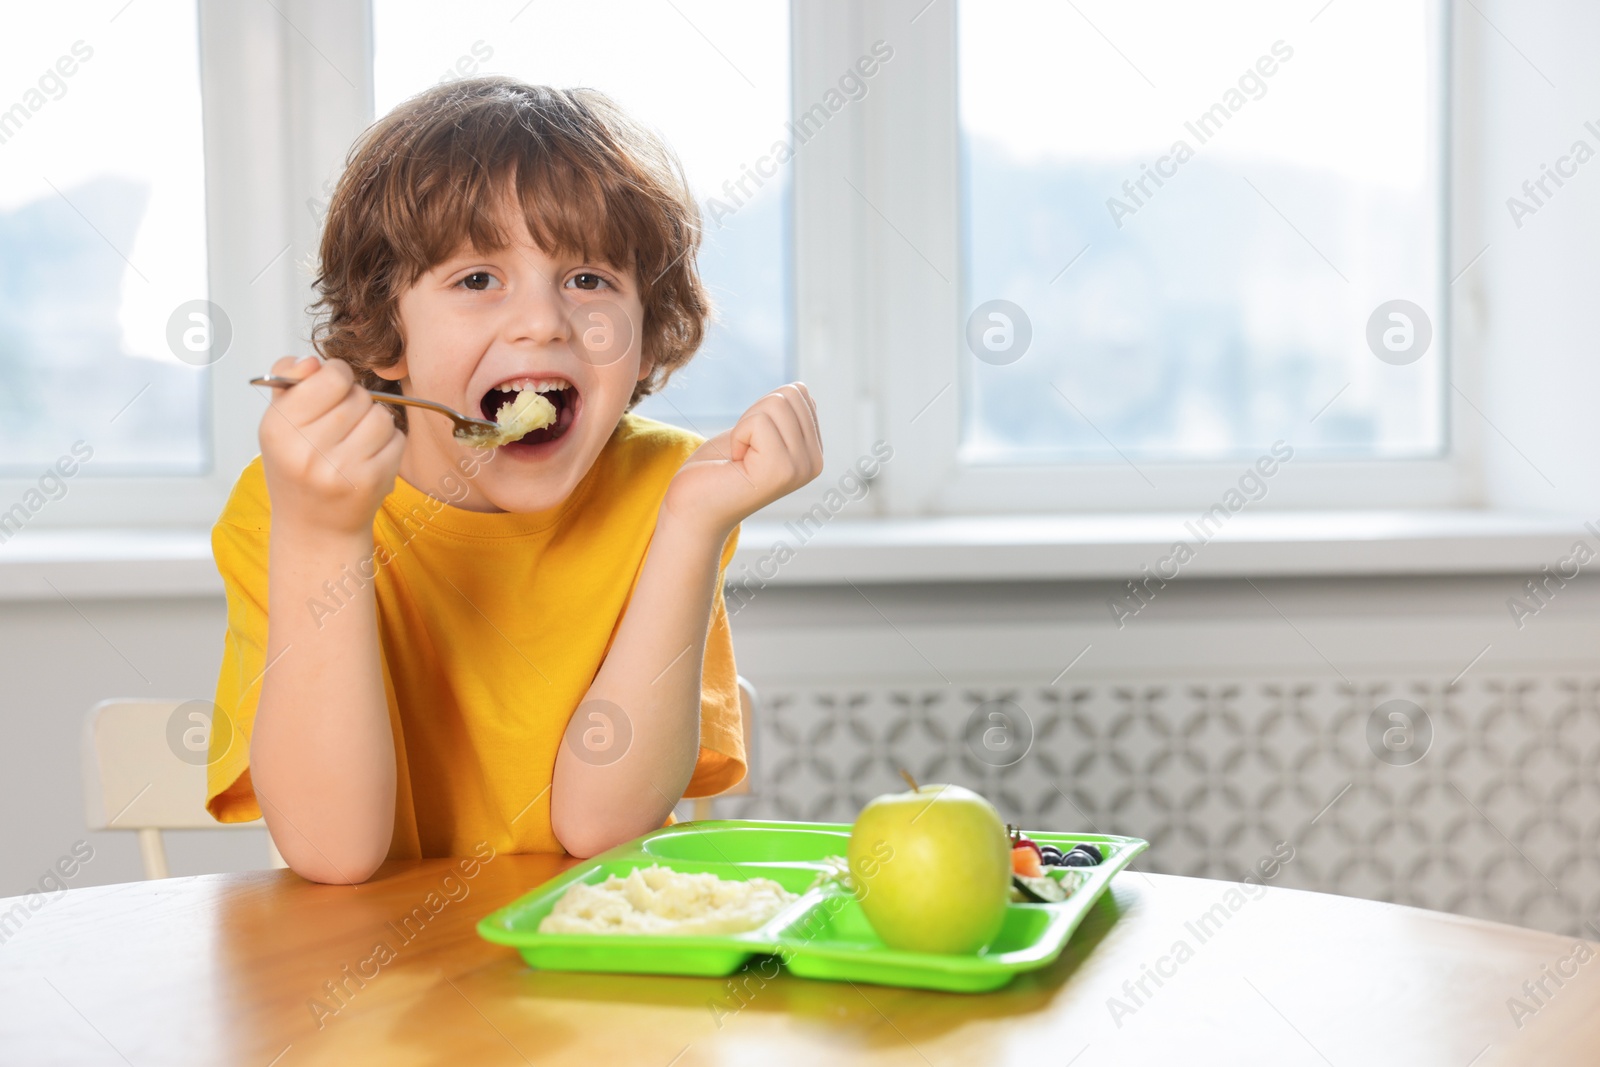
(747, 713)
(144, 769)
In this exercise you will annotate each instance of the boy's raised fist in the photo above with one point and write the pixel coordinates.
(774, 449)
(329, 452)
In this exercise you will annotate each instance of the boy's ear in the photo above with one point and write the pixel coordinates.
(646, 365)
(393, 372)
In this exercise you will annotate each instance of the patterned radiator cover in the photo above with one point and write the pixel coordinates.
(1495, 815)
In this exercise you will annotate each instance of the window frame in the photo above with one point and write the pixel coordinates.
(277, 119)
(913, 166)
(875, 221)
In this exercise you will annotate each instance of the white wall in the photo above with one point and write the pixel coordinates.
(57, 661)
(855, 681)
(1226, 718)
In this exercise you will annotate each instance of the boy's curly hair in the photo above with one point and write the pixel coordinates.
(423, 180)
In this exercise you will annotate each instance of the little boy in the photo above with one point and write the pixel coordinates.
(433, 646)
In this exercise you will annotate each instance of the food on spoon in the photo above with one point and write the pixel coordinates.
(944, 884)
(659, 900)
(530, 411)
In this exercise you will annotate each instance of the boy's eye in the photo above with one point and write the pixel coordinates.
(478, 280)
(587, 280)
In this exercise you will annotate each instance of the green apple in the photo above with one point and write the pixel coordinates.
(932, 869)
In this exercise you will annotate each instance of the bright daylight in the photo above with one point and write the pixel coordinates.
(874, 532)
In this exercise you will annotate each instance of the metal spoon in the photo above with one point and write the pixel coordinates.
(466, 428)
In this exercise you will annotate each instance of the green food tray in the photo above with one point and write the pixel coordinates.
(823, 934)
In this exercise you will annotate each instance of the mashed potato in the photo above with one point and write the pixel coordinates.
(658, 900)
(530, 411)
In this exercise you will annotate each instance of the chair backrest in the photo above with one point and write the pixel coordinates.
(134, 778)
(144, 769)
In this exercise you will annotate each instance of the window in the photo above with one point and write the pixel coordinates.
(713, 77)
(105, 329)
(873, 178)
(1198, 208)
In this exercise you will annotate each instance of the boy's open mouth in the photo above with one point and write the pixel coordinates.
(561, 393)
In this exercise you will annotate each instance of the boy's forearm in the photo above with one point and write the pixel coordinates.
(322, 750)
(651, 681)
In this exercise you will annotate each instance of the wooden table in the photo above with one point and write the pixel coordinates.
(246, 969)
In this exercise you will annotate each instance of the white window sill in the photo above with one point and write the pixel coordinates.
(120, 564)
(100, 564)
(1086, 547)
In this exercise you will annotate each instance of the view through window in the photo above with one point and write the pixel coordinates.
(102, 240)
(1198, 210)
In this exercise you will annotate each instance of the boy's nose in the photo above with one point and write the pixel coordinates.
(537, 314)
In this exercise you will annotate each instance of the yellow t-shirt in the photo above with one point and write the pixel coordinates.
(491, 629)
